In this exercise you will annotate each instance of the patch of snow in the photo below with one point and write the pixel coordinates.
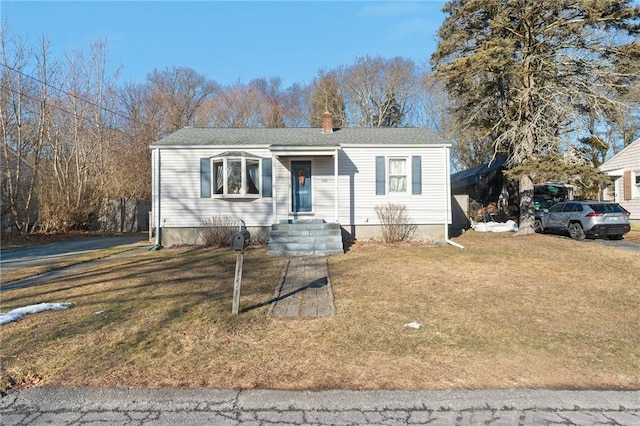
(508, 226)
(16, 314)
(413, 324)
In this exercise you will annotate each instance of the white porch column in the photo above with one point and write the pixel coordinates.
(274, 206)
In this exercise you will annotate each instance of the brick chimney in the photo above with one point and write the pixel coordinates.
(327, 122)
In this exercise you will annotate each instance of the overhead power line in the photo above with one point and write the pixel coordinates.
(17, 92)
(58, 89)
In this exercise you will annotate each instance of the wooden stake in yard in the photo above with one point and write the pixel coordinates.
(239, 242)
(237, 283)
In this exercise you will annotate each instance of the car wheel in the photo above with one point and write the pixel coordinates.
(576, 232)
(537, 226)
(615, 237)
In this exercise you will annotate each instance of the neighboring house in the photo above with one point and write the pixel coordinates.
(267, 177)
(624, 169)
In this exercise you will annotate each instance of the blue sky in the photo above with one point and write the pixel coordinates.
(232, 41)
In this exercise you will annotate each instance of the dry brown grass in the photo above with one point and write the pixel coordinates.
(633, 236)
(506, 312)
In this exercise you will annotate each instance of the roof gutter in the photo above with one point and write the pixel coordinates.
(448, 198)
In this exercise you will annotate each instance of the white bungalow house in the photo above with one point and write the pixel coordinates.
(624, 169)
(273, 178)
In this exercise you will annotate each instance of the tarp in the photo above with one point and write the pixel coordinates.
(483, 183)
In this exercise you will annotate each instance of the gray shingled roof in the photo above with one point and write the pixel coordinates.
(198, 136)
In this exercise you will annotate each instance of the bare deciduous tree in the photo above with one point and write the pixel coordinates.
(131, 161)
(235, 106)
(295, 105)
(326, 95)
(79, 139)
(180, 92)
(270, 101)
(24, 112)
(379, 92)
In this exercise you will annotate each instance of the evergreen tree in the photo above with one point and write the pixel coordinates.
(523, 71)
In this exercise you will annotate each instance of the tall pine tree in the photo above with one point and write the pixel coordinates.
(523, 71)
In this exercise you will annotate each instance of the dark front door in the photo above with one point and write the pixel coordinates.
(301, 186)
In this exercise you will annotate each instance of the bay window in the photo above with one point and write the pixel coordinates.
(236, 175)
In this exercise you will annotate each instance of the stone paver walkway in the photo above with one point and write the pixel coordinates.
(304, 290)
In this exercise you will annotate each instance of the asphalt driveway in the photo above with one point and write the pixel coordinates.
(43, 254)
(619, 244)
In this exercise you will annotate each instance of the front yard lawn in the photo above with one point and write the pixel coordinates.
(506, 312)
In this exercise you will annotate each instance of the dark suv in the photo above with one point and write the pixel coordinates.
(584, 218)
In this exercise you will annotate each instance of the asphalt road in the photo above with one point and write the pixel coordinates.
(42, 254)
(80, 406)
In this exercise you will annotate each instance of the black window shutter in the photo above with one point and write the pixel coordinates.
(380, 176)
(416, 175)
(266, 177)
(205, 178)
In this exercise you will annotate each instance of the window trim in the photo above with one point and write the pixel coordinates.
(243, 158)
(407, 174)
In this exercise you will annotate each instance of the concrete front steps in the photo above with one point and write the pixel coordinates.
(305, 238)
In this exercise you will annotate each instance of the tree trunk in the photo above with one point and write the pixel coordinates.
(525, 227)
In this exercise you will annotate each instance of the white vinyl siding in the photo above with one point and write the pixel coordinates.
(182, 206)
(357, 180)
(283, 188)
(628, 158)
(181, 202)
(323, 188)
(323, 193)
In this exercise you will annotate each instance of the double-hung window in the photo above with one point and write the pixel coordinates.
(395, 175)
(398, 174)
(235, 175)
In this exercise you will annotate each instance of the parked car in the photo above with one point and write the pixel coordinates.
(584, 219)
(542, 202)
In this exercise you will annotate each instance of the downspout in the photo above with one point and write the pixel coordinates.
(336, 185)
(157, 196)
(448, 198)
